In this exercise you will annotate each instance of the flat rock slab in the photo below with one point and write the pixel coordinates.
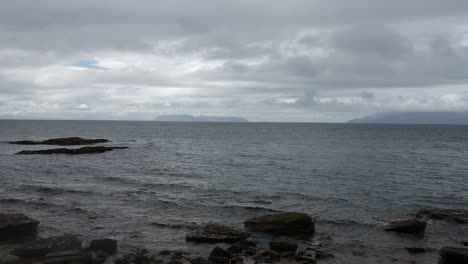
(282, 224)
(16, 225)
(454, 255)
(411, 226)
(71, 141)
(79, 151)
(215, 233)
(449, 215)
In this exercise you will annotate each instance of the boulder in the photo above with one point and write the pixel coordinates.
(106, 245)
(84, 150)
(283, 246)
(282, 224)
(415, 250)
(17, 225)
(411, 226)
(454, 255)
(219, 252)
(450, 215)
(42, 247)
(215, 233)
(70, 141)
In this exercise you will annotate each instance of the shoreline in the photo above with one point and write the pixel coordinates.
(297, 242)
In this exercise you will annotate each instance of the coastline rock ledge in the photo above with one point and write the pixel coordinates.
(16, 225)
(70, 141)
(282, 224)
(411, 226)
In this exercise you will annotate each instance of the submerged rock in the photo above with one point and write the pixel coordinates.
(16, 225)
(454, 255)
(450, 215)
(42, 247)
(282, 224)
(106, 245)
(411, 226)
(216, 233)
(84, 150)
(71, 141)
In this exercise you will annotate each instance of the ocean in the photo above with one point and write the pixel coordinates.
(352, 178)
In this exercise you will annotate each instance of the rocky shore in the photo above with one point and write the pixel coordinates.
(290, 240)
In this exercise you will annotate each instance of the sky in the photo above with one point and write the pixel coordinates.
(280, 61)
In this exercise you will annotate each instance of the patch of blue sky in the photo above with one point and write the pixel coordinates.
(88, 64)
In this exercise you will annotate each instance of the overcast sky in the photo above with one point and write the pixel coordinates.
(263, 60)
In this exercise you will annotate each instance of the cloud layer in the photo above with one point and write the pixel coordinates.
(266, 61)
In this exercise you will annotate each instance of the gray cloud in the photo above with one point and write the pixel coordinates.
(299, 60)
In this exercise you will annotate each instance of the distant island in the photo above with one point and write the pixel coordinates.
(443, 118)
(201, 118)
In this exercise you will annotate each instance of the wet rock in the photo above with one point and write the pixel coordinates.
(106, 245)
(200, 260)
(219, 260)
(235, 249)
(454, 255)
(42, 247)
(220, 252)
(245, 243)
(306, 259)
(17, 225)
(215, 233)
(10, 259)
(79, 151)
(283, 246)
(282, 224)
(415, 250)
(70, 141)
(465, 243)
(411, 226)
(320, 254)
(450, 215)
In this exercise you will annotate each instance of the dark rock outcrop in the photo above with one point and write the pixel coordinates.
(415, 250)
(411, 226)
(450, 215)
(79, 151)
(282, 224)
(219, 252)
(283, 246)
(106, 245)
(42, 247)
(215, 233)
(71, 141)
(454, 255)
(16, 225)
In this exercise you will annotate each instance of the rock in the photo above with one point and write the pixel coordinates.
(10, 259)
(215, 233)
(415, 250)
(282, 224)
(17, 225)
(465, 243)
(71, 141)
(450, 215)
(454, 255)
(84, 150)
(219, 252)
(245, 243)
(42, 247)
(411, 226)
(106, 245)
(219, 260)
(200, 260)
(306, 259)
(283, 246)
(68, 260)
